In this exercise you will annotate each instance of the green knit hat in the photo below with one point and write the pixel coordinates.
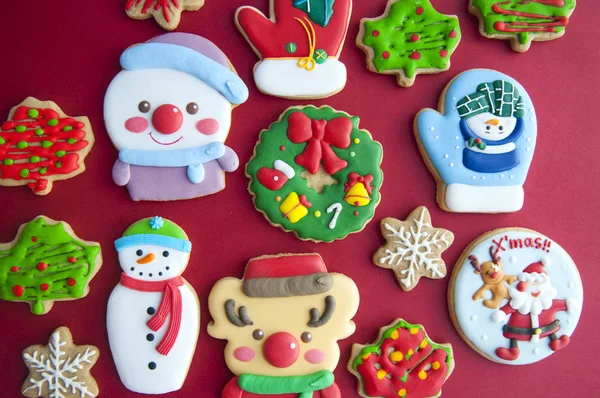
(154, 231)
(500, 98)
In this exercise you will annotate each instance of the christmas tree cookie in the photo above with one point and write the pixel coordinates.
(402, 362)
(314, 172)
(45, 263)
(522, 21)
(40, 144)
(167, 13)
(410, 38)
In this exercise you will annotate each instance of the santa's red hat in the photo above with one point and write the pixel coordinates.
(536, 267)
(286, 275)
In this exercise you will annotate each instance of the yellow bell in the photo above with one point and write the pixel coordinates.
(357, 195)
(294, 207)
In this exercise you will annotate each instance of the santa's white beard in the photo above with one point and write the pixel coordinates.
(525, 303)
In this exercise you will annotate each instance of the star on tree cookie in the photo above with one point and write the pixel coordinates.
(413, 248)
(60, 369)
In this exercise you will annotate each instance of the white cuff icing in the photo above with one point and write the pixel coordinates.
(285, 168)
(499, 316)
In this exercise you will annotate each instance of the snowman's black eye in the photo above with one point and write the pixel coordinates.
(139, 252)
(192, 108)
(500, 128)
(487, 128)
(258, 334)
(144, 106)
(165, 254)
(306, 337)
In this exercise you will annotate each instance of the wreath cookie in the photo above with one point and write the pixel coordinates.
(315, 173)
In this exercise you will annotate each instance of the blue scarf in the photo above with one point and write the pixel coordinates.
(193, 158)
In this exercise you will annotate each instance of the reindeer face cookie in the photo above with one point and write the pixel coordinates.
(515, 296)
(282, 322)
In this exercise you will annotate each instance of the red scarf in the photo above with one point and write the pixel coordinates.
(170, 304)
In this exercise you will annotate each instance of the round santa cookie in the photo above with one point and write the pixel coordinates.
(522, 21)
(480, 143)
(153, 316)
(282, 321)
(168, 112)
(515, 296)
(299, 45)
(167, 13)
(402, 362)
(315, 173)
(410, 38)
(47, 262)
(40, 144)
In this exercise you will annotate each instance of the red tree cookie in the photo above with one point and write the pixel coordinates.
(40, 144)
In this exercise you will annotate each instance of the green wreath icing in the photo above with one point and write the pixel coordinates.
(309, 219)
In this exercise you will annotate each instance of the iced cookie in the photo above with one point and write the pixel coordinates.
(402, 362)
(410, 38)
(60, 369)
(282, 321)
(168, 112)
(299, 45)
(535, 306)
(167, 13)
(413, 248)
(314, 172)
(40, 144)
(480, 143)
(522, 21)
(153, 316)
(47, 262)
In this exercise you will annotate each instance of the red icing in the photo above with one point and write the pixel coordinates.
(18, 290)
(320, 136)
(284, 266)
(452, 34)
(521, 25)
(208, 126)
(414, 37)
(71, 282)
(136, 124)
(385, 54)
(167, 119)
(282, 148)
(356, 213)
(443, 53)
(547, 317)
(14, 268)
(415, 55)
(506, 242)
(44, 287)
(156, 4)
(354, 177)
(72, 260)
(42, 266)
(375, 33)
(419, 10)
(270, 38)
(271, 178)
(53, 164)
(33, 239)
(281, 350)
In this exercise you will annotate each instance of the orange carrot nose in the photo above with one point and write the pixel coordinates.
(148, 258)
(493, 122)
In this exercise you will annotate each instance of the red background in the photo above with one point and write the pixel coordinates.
(68, 51)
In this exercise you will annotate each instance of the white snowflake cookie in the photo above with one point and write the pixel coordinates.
(413, 248)
(60, 369)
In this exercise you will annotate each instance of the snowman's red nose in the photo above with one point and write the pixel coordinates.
(167, 119)
(281, 350)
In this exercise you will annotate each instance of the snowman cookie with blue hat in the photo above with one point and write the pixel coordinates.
(480, 143)
(168, 112)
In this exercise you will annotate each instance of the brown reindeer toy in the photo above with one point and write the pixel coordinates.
(493, 280)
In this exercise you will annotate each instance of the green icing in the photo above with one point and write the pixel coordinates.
(2, 141)
(43, 170)
(34, 159)
(53, 122)
(304, 386)
(47, 144)
(39, 131)
(24, 173)
(318, 11)
(67, 128)
(401, 324)
(511, 21)
(390, 38)
(367, 160)
(8, 162)
(53, 246)
(60, 154)
(72, 140)
(33, 113)
(22, 144)
(20, 128)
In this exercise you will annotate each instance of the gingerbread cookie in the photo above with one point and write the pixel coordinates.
(299, 46)
(413, 248)
(480, 143)
(536, 309)
(402, 362)
(153, 316)
(282, 322)
(314, 172)
(522, 21)
(168, 112)
(167, 13)
(47, 262)
(410, 38)
(40, 144)
(60, 369)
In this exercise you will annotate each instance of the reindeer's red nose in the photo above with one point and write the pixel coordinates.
(521, 286)
(281, 350)
(494, 275)
(167, 119)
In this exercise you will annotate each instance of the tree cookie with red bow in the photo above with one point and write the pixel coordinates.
(402, 362)
(316, 173)
(40, 144)
(299, 45)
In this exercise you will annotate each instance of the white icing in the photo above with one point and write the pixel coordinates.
(337, 207)
(484, 199)
(158, 87)
(493, 149)
(484, 337)
(285, 168)
(491, 127)
(176, 261)
(474, 317)
(283, 78)
(536, 351)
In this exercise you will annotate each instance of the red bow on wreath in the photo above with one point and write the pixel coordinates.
(353, 178)
(320, 136)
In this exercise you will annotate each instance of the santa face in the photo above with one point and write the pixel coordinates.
(164, 109)
(152, 263)
(532, 294)
(491, 127)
